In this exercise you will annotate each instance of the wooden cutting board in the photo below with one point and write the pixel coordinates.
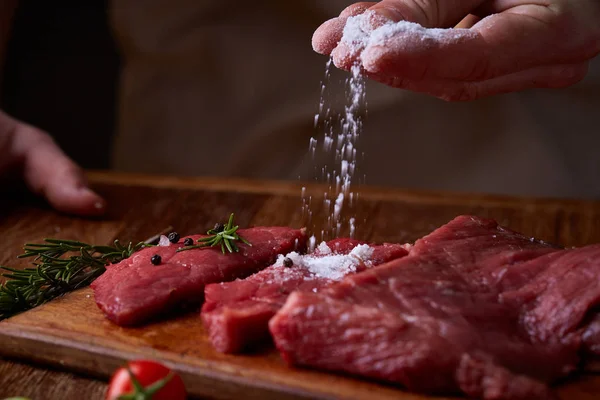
(71, 332)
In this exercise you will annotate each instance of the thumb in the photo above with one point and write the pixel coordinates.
(427, 13)
(49, 172)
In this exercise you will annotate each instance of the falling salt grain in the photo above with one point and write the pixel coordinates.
(327, 143)
(311, 243)
(340, 137)
(312, 146)
(337, 208)
(344, 171)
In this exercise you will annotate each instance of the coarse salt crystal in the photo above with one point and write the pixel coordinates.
(362, 251)
(164, 241)
(324, 249)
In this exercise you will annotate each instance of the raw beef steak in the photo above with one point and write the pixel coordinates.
(474, 308)
(236, 314)
(135, 291)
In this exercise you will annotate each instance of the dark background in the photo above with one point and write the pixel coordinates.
(61, 75)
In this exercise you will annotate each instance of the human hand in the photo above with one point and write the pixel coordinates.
(47, 171)
(496, 46)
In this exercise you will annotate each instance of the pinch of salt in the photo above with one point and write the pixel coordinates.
(331, 266)
(381, 35)
(359, 32)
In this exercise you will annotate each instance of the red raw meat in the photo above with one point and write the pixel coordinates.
(236, 314)
(474, 308)
(135, 291)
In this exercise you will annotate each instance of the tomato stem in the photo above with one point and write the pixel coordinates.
(141, 392)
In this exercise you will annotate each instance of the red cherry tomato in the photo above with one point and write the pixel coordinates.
(147, 374)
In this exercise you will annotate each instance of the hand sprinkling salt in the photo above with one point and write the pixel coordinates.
(492, 50)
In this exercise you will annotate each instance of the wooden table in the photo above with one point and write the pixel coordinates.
(142, 205)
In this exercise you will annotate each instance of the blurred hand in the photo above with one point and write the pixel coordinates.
(46, 170)
(498, 46)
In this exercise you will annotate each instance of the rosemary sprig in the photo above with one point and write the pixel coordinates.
(59, 266)
(221, 235)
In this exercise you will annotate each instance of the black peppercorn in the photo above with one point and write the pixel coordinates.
(287, 262)
(188, 242)
(156, 259)
(219, 228)
(173, 237)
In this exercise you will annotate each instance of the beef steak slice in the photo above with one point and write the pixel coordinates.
(236, 314)
(135, 291)
(475, 308)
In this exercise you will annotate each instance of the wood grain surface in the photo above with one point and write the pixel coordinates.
(71, 334)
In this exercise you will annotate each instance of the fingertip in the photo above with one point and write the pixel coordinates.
(77, 201)
(344, 57)
(357, 8)
(372, 59)
(388, 13)
(393, 59)
(567, 75)
(328, 35)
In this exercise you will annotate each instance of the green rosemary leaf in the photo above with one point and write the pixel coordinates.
(244, 241)
(223, 236)
(228, 245)
(59, 266)
(65, 242)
